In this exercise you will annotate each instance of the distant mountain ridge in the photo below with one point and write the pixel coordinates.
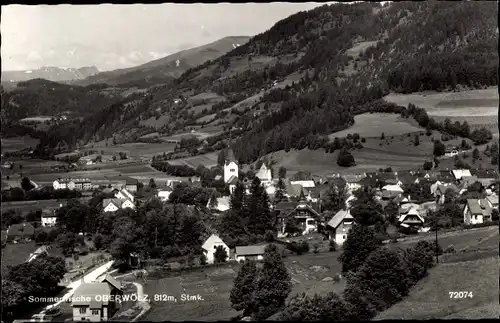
(50, 73)
(166, 68)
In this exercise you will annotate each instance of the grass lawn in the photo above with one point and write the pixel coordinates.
(207, 160)
(374, 124)
(135, 150)
(15, 254)
(18, 143)
(478, 107)
(25, 206)
(430, 299)
(306, 271)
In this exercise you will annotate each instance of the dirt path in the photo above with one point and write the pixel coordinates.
(142, 303)
(477, 243)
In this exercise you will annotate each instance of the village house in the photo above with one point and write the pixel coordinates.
(265, 174)
(164, 194)
(80, 184)
(440, 193)
(232, 182)
(131, 185)
(254, 253)
(222, 204)
(477, 211)
(210, 246)
(339, 225)
(20, 232)
(295, 191)
(493, 201)
(459, 173)
(306, 214)
(113, 205)
(353, 181)
(304, 183)
(123, 194)
(410, 218)
(49, 218)
(87, 307)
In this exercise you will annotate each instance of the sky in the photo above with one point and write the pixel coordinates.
(117, 36)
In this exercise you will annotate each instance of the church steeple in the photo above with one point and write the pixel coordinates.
(230, 154)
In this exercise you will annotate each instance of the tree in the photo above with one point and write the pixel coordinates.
(360, 243)
(475, 154)
(335, 196)
(243, 291)
(220, 254)
(365, 209)
(419, 258)
(221, 158)
(67, 242)
(439, 148)
(416, 141)
(282, 172)
(382, 136)
(237, 197)
(316, 308)
(152, 183)
(345, 159)
(384, 277)
(279, 195)
(26, 184)
(391, 211)
(427, 165)
(494, 215)
(273, 284)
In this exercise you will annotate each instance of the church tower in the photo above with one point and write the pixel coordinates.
(230, 164)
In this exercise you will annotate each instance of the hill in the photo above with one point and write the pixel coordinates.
(166, 68)
(311, 73)
(51, 73)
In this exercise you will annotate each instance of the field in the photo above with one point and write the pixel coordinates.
(430, 299)
(307, 271)
(396, 151)
(104, 174)
(374, 124)
(36, 119)
(18, 143)
(207, 160)
(15, 254)
(26, 206)
(478, 107)
(134, 150)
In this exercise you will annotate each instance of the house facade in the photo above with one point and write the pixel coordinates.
(338, 227)
(131, 185)
(49, 219)
(164, 194)
(123, 194)
(254, 253)
(304, 213)
(95, 302)
(80, 184)
(411, 219)
(265, 174)
(477, 211)
(210, 246)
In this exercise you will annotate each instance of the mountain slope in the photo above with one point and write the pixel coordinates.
(312, 72)
(51, 73)
(166, 68)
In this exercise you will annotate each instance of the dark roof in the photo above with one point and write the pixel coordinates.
(233, 180)
(112, 281)
(484, 173)
(250, 250)
(131, 181)
(21, 229)
(88, 291)
(479, 206)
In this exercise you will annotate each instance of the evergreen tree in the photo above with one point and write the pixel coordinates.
(282, 172)
(280, 190)
(360, 243)
(220, 254)
(238, 197)
(243, 291)
(273, 284)
(335, 196)
(152, 183)
(221, 157)
(260, 216)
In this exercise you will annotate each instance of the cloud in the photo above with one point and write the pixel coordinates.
(71, 52)
(135, 56)
(34, 56)
(156, 55)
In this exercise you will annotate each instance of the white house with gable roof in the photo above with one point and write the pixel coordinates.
(210, 246)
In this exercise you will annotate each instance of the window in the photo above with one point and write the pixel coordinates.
(232, 170)
(344, 236)
(83, 310)
(95, 312)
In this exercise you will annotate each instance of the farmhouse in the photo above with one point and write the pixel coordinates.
(295, 191)
(250, 253)
(87, 307)
(338, 227)
(80, 184)
(20, 232)
(440, 193)
(411, 219)
(477, 211)
(210, 246)
(307, 216)
(459, 173)
(49, 218)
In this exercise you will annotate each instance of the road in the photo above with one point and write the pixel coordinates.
(90, 277)
(141, 302)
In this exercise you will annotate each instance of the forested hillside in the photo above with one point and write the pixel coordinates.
(41, 97)
(348, 56)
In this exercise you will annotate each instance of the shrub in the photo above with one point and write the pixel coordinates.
(332, 246)
(203, 260)
(449, 249)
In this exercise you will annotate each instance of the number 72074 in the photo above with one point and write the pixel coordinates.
(460, 295)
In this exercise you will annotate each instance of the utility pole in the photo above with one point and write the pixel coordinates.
(437, 245)
(156, 237)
